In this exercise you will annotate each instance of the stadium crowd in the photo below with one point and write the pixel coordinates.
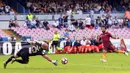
(84, 45)
(6, 9)
(73, 45)
(77, 7)
(73, 24)
(67, 8)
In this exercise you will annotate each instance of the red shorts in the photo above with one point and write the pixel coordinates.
(108, 47)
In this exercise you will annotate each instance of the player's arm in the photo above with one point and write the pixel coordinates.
(50, 60)
(47, 58)
(112, 36)
(98, 39)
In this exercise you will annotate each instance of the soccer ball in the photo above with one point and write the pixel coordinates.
(64, 60)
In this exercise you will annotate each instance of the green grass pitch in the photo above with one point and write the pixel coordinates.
(78, 63)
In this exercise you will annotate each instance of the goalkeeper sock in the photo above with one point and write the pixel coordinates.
(10, 59)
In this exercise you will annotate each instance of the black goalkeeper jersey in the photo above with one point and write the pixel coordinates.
(37, 50)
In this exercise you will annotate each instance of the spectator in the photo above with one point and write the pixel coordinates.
(114, 10)
(66, 34)
(12, 23)
(69, 12)
(68, 42)
(92, 20)
(85, 45)
(126, 21)
(75, 23)
(76, 46)
(16, 23)
(77, 43)
(104, 20)
(29, 4)
(121, 22)
(45, 25)
(110, 23)
(2, 10)
(79, 12)
(92, 12)
(83, 42)
(60, 21)
(7, 9)
(94, 44)
(28, 24)
(98, 21)
(56, 24)
(115, 21)
(68, 46)
(30, 17)
(102, 11)
(13, 38)
(71, 28)
(93, 40)
(12, 12)
(128, 24)
(33, 23)
(65, 20)
(81, 24)
(88, 21)
(38, 22)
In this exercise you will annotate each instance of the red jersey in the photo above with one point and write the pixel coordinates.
(105, 37)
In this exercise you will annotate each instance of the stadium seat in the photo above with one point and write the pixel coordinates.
(42, 33)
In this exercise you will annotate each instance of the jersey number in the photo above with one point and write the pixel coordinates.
(35, 49)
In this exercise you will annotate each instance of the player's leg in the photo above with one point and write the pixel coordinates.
(104, 55)
(66, 49)
(9, 60)
(24, 60)
(12, 57)
(70, 49)
(50, 60)
(75, 49)
(79, 49)
(90, 48)
(82, 49)
(24, 54)
(53, 45)
(85, 49)
(96, 48)
(119, 51)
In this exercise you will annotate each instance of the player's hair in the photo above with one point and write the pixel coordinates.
(103, 27)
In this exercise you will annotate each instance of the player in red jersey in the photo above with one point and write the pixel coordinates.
(107, 45)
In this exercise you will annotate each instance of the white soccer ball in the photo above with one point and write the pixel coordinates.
(64, 60)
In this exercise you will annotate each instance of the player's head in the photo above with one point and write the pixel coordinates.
(56, 32)
(103, 28)
(84, 38)
(44, 45)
